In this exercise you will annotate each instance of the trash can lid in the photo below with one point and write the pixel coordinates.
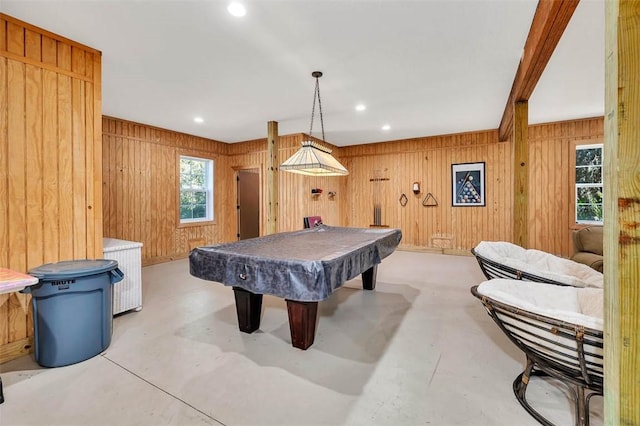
(67, 269)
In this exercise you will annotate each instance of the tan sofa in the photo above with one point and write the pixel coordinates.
(587, 246)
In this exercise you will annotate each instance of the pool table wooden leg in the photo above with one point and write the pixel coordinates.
(248, 308)
(369, 278)
(302, 322)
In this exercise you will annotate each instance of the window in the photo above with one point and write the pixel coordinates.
(589, 186)
(196, 189)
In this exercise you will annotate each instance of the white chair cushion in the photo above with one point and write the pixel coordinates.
(540, 263)
(580, 306)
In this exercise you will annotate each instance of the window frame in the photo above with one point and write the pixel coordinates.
(209, 190)
(575, 185)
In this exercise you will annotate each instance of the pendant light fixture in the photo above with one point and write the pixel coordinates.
(314, 159)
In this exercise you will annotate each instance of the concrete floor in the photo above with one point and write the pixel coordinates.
(418, 350)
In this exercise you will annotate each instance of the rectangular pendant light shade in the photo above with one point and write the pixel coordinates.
(313, 159)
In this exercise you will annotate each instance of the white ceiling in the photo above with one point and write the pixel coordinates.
(423, 67)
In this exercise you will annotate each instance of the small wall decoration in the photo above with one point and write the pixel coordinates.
(468, 184)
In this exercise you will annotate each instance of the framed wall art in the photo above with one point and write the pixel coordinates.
(467, 183)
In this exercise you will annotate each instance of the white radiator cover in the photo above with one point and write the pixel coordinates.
(127, 294)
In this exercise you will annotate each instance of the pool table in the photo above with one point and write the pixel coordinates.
(302, 267)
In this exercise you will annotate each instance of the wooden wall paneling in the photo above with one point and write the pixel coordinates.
(78, 60)
(17, 165)
(64, 56)
(564, 192)
(15, 38)
(49, 51)
(3, 34)
(552, 150)
(121, 185)
(4, 183)
(106, 173)
(131, 188)
(536, 193)
(504, 219)
(558, 196)
(426, 159)
(161, 236)
(4, 164)
(454, 229)
(156, 205)
(170, 207)
(65, 166)
(42, 113)
(135, 160)
(51, 182)
(17, 195)
(93, 246)
(550, 214)
(34, 166)
(493, 178)
(32, 45)
(93, 136)
(141, 163)
(545, 197)
(145, 201)
(79, 170)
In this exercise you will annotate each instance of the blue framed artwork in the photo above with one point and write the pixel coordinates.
(467, 181)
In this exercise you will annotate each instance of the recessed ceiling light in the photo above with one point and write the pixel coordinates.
(237, 9)
(198, 120)
(386, 127)
(361, 107)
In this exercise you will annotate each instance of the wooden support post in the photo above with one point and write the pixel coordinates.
(622, 213)
(272, 177)
(521, 174)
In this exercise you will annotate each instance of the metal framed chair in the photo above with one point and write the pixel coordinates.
(499, 259)
(568, 347)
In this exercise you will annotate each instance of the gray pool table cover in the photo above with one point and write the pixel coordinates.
(306, 265)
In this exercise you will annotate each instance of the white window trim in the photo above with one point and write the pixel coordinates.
(587, 185)
(208, 190)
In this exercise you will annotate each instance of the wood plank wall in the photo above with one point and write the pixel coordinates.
(141, 159)
(552, 179)
(458, 229)
(294, 196)
(428, 161)
(50, 161)
(141, 190)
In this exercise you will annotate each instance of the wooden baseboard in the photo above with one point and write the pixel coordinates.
(162, 259)
(419, 249)
(436, 250)
(16, 349)
(458, 252)
(196, 242)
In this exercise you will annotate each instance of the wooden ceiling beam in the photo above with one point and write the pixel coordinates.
(549, 22)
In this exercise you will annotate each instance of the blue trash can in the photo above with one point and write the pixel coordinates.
(72, 309)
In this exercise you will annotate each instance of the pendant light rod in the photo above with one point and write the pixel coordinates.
(313, 159)
(316, 94)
